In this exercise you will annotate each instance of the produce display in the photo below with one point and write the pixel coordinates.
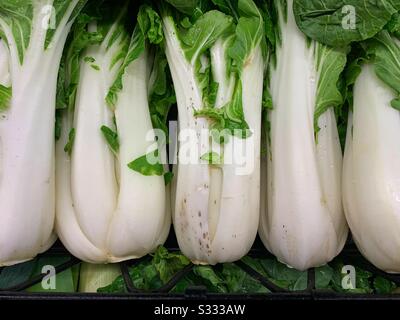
(221, 119)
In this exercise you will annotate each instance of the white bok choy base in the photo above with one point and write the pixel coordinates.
(216, 212)
(371, 177)
(302, 221)
(27, 193)
(107, 212)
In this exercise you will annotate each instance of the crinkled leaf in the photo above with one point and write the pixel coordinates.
(230, 118)
(203, 34)
(168, 263)
(150, 24)
(162, 95)
(383, 286)
(330, 21)
(212, 280)
(136, 48)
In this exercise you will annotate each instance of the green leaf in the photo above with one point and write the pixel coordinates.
(61, 98)
(323, 277)
(395, 104)
(79, 39)
(212, 281)
(136, 48)
(228, 119)
(278, 271)
(213, 159)
(20, 16)
(205, 31)
(383, 286)
(385, 53)
(151, 25)
(324, 21)
(16, 275)
(149, 28)
(162, 94)
(111, 138)
(89, 59)
(5, 97)
(70, 144)
(229, 7)
(58, 125)
(151, 274)
(300, 283)
(256, 264)
(330, 65)
(393, 25)
(238, 281)
(60, 9)
(168, 177)
(184, 6)
(148, 165)
(168, 264)
(249, 34)
(363, 280)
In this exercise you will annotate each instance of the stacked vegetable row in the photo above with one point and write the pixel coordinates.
(274, 76)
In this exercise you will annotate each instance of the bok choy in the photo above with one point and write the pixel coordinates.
(302, 222)
(216, 56)
(111, 202)
(35, 32)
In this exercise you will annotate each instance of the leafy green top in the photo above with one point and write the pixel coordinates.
(339, 22)
(19, 17)
(239, 24)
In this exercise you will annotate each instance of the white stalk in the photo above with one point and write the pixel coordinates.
(371, 177)
(27, 141)
(140, 214)
(304, 224)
